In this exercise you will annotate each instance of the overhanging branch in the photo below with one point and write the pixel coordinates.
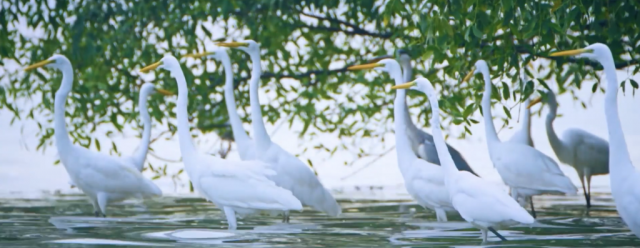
(355, 29)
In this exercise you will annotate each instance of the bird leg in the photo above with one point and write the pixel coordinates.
(588, 172)
(584, 190)
(441, 215)
(285, 217)
(533, 210)
(484, 235)
(497, 234)
(97, 213)
(231, 218)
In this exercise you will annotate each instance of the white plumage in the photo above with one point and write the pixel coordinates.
(104, 179)
(625, 178)
(236, 187)
(524, 169)
(587, 153)
(292, 174)
(423, 180)
(480, 203)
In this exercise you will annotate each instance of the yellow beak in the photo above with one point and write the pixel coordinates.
(570, 52)
(232, 44)
(164, 92)
(151, 67)
(38, 65)
(403, 86)
(469, 75)
(363, 67)
(198, 55)
(534, 102)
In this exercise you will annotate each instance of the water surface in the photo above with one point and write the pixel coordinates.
(66, 221)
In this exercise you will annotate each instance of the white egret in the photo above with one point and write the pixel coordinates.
(138, 158)
(480, 203)
(423, 180)
(523, 136)
(240, 187)
(422, 142)
(625, 178)
(104, 179)
(587, 153)
(524, 169)
(246, 146)
(292, 174)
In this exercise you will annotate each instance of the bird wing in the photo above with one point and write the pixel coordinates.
(427, 151)
(298, 177)
(243, 184)
(426, 185)
(592, 151)
(478, 200)
(102, 173)
(523, 166)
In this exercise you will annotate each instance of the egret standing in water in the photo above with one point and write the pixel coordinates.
(625, 178)
(524, 169)
(104, 179)
(422, 142)
(238, 187)
(246, 146)
(587, 153)
(480, 203)
(423, 180)
(292, 174)
(140, 156)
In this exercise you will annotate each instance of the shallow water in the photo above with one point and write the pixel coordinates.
(65, 221)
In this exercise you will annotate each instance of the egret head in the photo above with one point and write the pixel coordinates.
(387, 65)
(56, 61)
(479, 67)
(421, 84)
(597, 51)
(219, 54)
(149, 88)
(404, 56)
(168, 62)
(248, 46)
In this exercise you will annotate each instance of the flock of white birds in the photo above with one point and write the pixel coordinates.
(270, 180)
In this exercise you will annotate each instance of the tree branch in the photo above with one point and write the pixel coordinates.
(355, 29)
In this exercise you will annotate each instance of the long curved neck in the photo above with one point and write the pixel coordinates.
(240, 136)
(61, 134)
(489, 128)
(618, 153)
(526, 120)
(260, 132)
(443, 151)
(186, 142)
(556, 144)
(141, 154)
(400, 78)
(403, 146)
(407, 70)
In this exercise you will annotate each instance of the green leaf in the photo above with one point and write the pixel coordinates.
(506, 112)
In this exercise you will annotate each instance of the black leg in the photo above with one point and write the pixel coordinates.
(97, 213)
(497, 234)
(533, 210)
(104, 216)
(587, 197)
